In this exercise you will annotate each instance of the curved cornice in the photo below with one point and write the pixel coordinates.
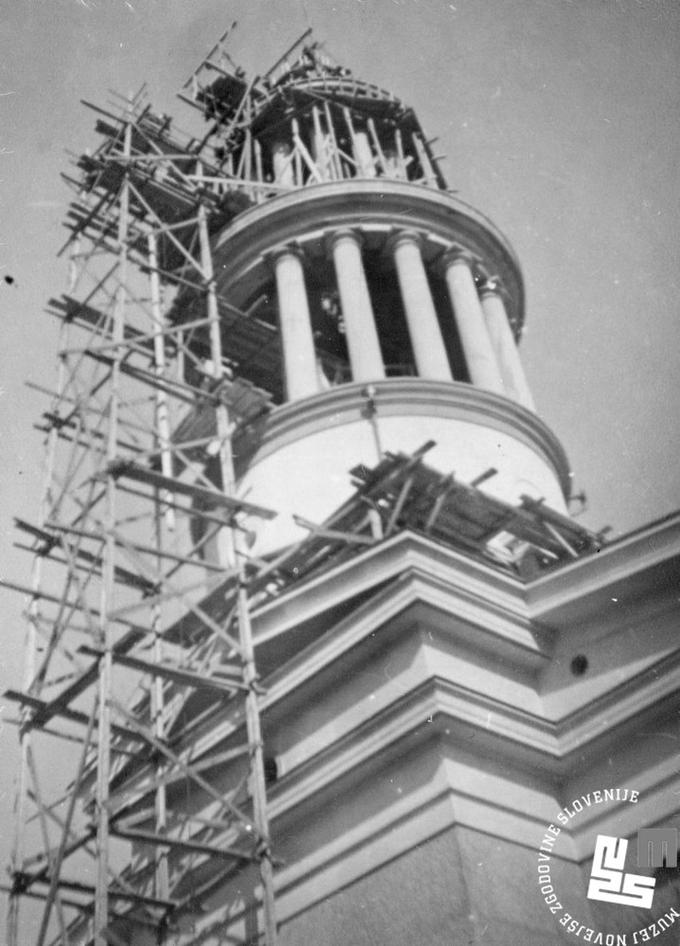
(339, 85)
(407, 397)
(306, 214)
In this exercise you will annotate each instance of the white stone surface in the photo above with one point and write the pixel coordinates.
(310, 476)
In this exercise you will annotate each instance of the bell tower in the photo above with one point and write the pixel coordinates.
(381, 310)
(332, 649)
(375, 318)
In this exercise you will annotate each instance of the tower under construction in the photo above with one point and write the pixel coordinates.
(309, 614)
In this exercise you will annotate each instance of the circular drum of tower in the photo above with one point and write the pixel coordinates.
(388, 315)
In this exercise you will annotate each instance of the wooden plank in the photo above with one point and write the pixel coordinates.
(46, 596)
(174, 673)
(324, 533)
(399, 505)
(291, 49)
(122, 574)
(445, 487)
(45, 711)
(560, 538)
(147, 784)
(130, 897)
(182, 392)
(138, 547)
(211, 497)
(557, 519)
(188, 770)
(483, 477)
(74, 716)
(37, 895)
(148, 837)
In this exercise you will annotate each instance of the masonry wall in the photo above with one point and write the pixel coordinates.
(458, 889)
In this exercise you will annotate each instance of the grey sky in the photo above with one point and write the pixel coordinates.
(559, 119)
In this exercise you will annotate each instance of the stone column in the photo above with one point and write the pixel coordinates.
(363, 155)
(393, 167)
(297, 341)
(479, 354)
(357, 313)
(283, 164)
(426, 338)
(503, 342)
(319, 153)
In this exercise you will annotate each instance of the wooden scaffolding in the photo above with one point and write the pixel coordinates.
(120, 560)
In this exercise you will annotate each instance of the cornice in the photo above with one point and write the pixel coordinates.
(488, 628)
(553, 739)
(511, 638)
(307, 214)
(403, 397)
(552, 743)
(645, 562)
(492, 588)
(652, 690)
(400, 717)
(438, 707)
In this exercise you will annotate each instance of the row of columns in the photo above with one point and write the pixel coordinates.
(488, 344)
(365, 162)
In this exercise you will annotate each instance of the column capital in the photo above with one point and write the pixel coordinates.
(491, 285)
(456, 254)
(344, 233)
(399, 237)
(285, 249)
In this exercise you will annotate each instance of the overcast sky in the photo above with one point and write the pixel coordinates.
(559, 119)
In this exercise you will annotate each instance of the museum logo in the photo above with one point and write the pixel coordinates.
(656, 847)
(609, 881)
